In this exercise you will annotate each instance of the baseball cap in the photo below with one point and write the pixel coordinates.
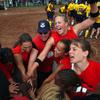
(43, 26)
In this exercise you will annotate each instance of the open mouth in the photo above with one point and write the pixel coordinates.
(59, 29)
(71, 57)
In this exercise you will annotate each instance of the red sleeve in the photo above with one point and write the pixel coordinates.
(35, 38)
(71, 34)
(16, 50)
(55, 36)
(25, 55)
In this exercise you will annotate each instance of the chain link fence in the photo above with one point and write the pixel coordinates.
(5, 4)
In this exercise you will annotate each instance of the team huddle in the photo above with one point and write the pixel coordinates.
(55, 64)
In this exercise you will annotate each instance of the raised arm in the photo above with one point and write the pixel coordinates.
(88, 22)
(41, 56)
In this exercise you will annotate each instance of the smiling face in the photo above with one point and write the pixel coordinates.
(59, 50)
(26, 46)
(61, 25)
(77, 54)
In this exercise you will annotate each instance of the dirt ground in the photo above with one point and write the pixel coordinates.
(15, 21)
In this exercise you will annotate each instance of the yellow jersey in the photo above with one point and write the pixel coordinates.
(50, 7)
(88, 10)
(63, 9)
(71, 6)
(98, 18)
(81, 8)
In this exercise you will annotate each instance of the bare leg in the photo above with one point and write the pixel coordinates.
(98, 32)
(92, 33)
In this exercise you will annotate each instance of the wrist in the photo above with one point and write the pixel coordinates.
(95, 14)
(38, 61)
(29, 75)
(10, 80)
(23, 73)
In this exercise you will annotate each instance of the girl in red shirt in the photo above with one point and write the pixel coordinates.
(62, 58)
(25, 54)
(88, 70)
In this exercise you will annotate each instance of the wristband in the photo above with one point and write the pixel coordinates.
(91, 1)
(38, 61)
(96, 14)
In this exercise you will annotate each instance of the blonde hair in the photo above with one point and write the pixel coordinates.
(51, 91)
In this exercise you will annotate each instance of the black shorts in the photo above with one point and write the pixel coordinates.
(80, 18)
(72, 13)
(50, 15)
(96, 25)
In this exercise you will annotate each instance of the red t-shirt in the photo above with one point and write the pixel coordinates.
(90, 79)
(65, 61)
(46, 65)
(69, 35)
(91, 76)
(25, 55)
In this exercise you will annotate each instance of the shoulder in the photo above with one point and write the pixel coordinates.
(71, 33)
(55, 36)
(95, 67)
(17, 49)
(53, 32)
(94, 64)
(36, 38)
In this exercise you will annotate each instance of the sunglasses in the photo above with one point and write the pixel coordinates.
(43, 32)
